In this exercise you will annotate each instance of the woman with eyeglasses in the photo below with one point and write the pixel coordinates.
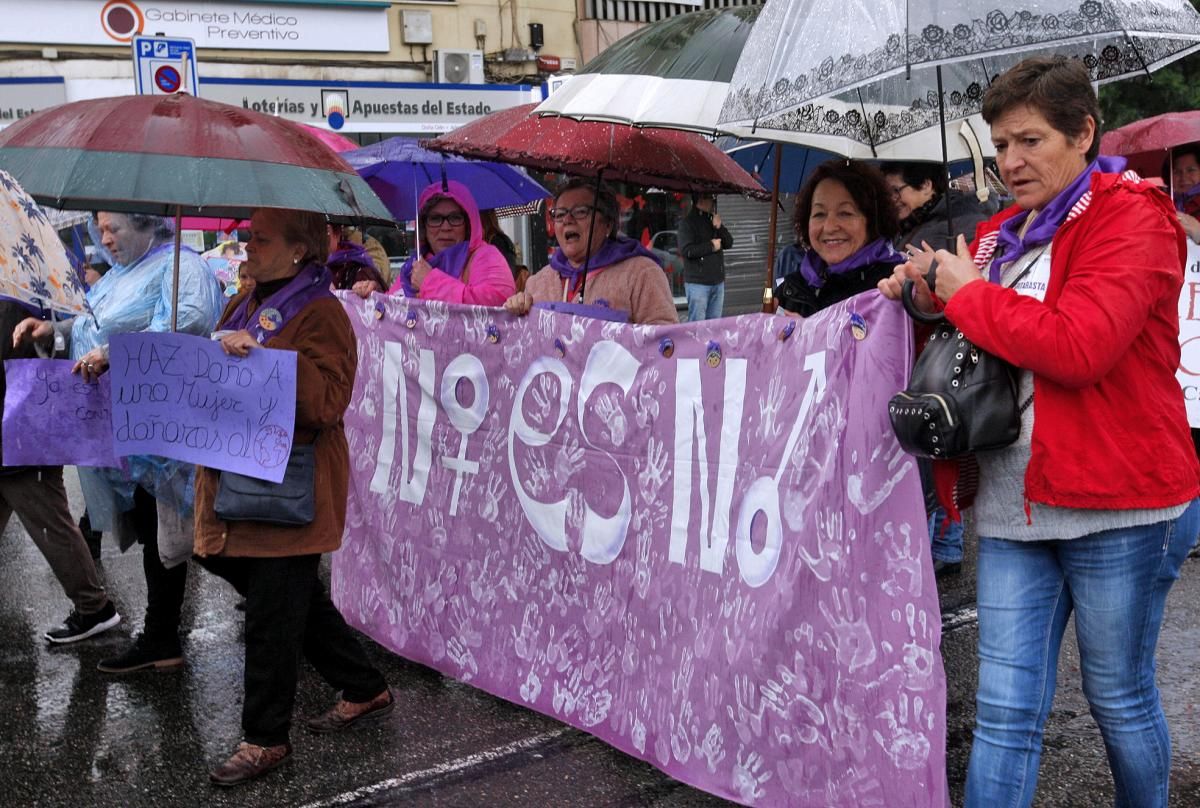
(621, 273)
(929, 210)
(455, 264)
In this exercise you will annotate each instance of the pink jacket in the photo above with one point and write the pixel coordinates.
(489, 278)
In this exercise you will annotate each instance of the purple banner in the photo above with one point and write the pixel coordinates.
(700, 543)
(183, 397)
(52, 417)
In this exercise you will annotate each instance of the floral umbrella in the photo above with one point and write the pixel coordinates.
(821, 71)
(34, 267)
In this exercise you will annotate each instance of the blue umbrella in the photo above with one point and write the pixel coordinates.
(398, 169)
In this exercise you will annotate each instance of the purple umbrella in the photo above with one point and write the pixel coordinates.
(398, 169)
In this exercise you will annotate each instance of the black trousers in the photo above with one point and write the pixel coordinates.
(288, 612)
(164, 587)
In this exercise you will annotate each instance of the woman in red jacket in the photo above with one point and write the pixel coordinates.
(1092, 511)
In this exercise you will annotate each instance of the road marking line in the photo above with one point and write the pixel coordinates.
(442, 769)
(959, 618)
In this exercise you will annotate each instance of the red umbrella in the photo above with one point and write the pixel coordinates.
(679, 161)
(1147, 142)
(335, 142)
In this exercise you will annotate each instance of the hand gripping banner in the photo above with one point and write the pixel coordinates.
(700, 543)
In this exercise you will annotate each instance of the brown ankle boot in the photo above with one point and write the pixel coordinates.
(345, 713)
(248, 762)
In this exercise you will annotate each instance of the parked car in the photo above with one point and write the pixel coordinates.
(665, 244)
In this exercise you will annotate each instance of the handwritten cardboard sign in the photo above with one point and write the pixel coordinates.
(54, 418)
(183, 397)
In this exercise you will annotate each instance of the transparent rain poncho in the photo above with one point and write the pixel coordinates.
(132, 298)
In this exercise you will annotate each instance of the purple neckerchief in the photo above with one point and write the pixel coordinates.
(310, 283)
(452, 261)
(1010, 246)
(612, 251)
(880, 251)
(1185, 199)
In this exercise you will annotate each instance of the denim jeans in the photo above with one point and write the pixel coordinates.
(947, 537)
(704, 301)
(1116, 583)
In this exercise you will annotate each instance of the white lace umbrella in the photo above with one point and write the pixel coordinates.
(870, 75)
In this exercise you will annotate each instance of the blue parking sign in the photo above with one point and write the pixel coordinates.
(164, 65)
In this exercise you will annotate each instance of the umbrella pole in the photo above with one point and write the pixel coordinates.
(768, 306)
(175, 271)
(587, 258)
(416, 222)
(950, 245)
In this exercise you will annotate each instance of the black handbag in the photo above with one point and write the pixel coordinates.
(290, 503)
(960, 399)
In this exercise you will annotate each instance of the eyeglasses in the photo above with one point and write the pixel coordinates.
(898, 188)
(436, 220)
(578, 213)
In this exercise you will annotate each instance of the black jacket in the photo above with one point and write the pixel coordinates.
(701, 263)
(796, 294)
(965, 212)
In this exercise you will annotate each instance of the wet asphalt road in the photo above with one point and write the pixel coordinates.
(71, 736)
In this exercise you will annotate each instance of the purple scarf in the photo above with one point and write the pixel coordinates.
(1186, 201)
(612, 251)
(452, 260)
(309, 284)
(1010, 246)
(880, 251)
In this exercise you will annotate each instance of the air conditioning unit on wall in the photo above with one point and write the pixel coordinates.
(458, 66)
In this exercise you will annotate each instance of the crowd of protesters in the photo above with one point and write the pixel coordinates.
(1075, 285)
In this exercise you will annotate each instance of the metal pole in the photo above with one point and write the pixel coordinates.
(175, 270)
(950, 245)
(768, 290)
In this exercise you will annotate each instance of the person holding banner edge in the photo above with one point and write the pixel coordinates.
(151, 502)
(453, 263)
(1094, 508)
(621, 273)
(274, 566)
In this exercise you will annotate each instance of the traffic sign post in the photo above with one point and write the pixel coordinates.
(164, 65)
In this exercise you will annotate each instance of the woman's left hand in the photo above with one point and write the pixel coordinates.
(239, 343)
(954, 271)
(420, 269)
(91, 365)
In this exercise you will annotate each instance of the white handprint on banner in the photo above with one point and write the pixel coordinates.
(830, 544)
(793, 696)
(712, 748)
(870, 487)
(749, 776)
(531, 688)
(905, 742)
(545, 396)
(608, 408)
(568, 460)
(747, 719)
(768, 409)
(918, 660)
(435, 316)
(525, 642)
(855, 645)
(651, 477)
(641, 575)
(458, 653)
(491, 498)
(595, 622)
(904, 567)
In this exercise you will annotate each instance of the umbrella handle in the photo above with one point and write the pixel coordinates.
(175, 271)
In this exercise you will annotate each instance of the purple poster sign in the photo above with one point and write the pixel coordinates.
(700, 543)
(52, 417)
(183, 397)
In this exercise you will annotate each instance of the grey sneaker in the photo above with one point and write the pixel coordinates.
(81, 626)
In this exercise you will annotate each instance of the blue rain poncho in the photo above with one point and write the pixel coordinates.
(138, 297)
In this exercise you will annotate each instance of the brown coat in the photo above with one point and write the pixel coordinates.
(327, 356)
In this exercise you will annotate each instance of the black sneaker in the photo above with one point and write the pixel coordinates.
(945, 569)
(144, 655)
(81, 626)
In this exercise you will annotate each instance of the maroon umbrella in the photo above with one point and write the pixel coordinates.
(1148, 142)
(663, 158)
